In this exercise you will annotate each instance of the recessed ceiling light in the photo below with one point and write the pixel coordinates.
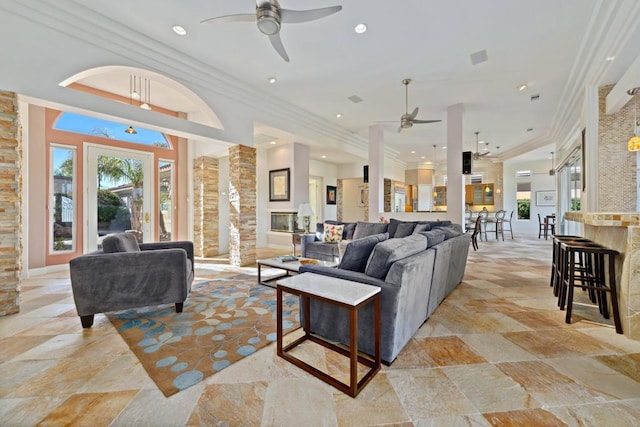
(428, 163)
(422, 157)
(444, 148)
(361, 28)
(413, 152)
(179, 30)
(272, 80)
(610, 58)
(272, 143)
(522, 86)
(339, 115)
(324, 157)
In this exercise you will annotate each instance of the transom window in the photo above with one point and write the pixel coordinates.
(78, 123)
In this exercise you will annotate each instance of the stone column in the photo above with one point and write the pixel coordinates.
(10, 204)
(242, 205)
(205, 206)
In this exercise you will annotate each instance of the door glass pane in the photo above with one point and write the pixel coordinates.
(165, 185)
(63, 167)
(120, 195)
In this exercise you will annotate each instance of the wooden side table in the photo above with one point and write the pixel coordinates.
(296, 239)
(344, 293)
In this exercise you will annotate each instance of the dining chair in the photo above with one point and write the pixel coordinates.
(545, 227)
(483, 215)
(507, 222)
(476, 231)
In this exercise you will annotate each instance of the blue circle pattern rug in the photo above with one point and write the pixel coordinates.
(223, 321)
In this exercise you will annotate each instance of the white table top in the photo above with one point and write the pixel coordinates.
(340, 290)
(292, 265)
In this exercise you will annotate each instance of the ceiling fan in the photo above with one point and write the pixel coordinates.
(477, 155)
(408, 120)
(269, 17)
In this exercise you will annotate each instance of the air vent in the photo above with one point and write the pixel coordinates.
(529, 129)
(476, 179)
(522, 174)
(479, 57)
(535, 97)
(355, 99)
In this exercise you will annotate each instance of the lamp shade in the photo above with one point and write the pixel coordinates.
(305, 210)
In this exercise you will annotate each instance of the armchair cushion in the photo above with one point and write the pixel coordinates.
(364, 229)
(121, 242)
(434, 236)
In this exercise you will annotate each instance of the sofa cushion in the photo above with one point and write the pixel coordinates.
(121, 242)
(356, 254)
(393, 225)
(434, 236)
(333, 233)
(404, 229)
(322, 250)
(452, 230)
(364, 229)
(386, 253)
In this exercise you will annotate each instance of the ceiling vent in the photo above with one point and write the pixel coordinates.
(535, 97)
(479, 57)
(355, 99)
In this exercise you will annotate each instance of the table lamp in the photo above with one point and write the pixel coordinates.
(305, 212)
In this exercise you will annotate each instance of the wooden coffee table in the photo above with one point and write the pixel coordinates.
(289, 267)
(344, 293)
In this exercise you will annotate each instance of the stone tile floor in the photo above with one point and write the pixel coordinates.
(496, 352)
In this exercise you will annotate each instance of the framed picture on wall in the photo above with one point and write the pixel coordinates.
(331, 195)
(279, 185)
(546, 198)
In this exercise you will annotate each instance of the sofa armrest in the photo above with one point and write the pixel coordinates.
(304, 239)
(186, 245)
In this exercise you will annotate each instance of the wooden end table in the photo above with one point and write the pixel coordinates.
(344, 293)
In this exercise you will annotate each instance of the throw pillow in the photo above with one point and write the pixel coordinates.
(333, 233)
(422, 226)
(387, 252)
(349, 228)
(434, 236)
(357, 252)
(121, 242)
(404, 229)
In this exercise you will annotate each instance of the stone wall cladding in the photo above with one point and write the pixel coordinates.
(242, 205)
(205, 206)
(10, 204)
(616, 165)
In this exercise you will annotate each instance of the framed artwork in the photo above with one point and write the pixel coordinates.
(331, 195)
(279, 185)
(546, 198)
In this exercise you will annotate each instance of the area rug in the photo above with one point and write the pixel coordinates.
(223, 321)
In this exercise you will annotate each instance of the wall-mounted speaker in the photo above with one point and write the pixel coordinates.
(466, 162)
(365, 173)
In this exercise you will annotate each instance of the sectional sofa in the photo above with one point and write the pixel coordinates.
(415, 274)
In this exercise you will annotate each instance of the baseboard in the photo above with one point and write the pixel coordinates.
(34, 272)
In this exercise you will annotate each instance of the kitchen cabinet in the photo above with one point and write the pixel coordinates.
(478, 194)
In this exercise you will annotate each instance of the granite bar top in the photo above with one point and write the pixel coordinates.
(605, 219)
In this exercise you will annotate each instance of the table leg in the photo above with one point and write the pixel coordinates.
(353, 352)
(279, 320)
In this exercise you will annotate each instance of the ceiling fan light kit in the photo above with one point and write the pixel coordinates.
(269, 17)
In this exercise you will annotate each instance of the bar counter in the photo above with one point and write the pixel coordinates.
(619, 231)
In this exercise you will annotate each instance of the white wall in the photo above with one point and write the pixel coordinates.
(540, 181)
(352, 210)
(329, 172)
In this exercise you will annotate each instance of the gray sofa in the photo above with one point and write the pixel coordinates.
(415, 274)
(125, 274)
(314, 246)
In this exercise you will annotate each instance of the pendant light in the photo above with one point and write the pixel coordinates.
(552, 171)
(133, 93)
(634, 142)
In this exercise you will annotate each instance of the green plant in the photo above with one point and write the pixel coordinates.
(575, 204)
(524, 209)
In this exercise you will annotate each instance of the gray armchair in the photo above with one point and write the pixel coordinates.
(126, 275)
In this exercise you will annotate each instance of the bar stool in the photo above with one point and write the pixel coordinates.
(594, 256)
(556, 273)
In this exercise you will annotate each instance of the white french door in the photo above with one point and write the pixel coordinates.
(119, 194)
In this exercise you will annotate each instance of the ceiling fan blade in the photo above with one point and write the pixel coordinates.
(426, 121)
(276, 42)
(297, 16)
(239, 17)
(484, 154)
(414, 113)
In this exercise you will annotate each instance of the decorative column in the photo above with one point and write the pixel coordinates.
(242, 205)
(10, 204)
(205, 206)
(455, 187)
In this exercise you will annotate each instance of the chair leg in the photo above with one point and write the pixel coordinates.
(87, 321)
(179, 306)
